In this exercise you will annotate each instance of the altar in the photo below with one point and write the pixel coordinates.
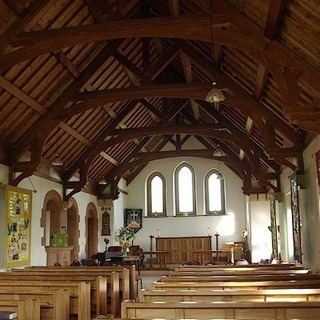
(182, 249)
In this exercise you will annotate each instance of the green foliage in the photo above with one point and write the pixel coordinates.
(125, 235)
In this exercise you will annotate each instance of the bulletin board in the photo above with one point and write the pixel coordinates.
(18, 220)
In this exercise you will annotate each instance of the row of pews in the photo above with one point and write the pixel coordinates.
(229, 292)
(62, 293)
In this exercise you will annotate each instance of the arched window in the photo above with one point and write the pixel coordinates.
(156, 195)
(214, 193)
(185, 192)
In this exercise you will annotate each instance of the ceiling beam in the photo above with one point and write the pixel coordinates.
(22, 20)
(275, 14)
(44, 125)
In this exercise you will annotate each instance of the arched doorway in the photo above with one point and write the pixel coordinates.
(51, 216)
(73, 228)
(91, 230)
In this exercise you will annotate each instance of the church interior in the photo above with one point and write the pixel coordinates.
(169, 141)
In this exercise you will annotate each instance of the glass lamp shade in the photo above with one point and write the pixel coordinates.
(57, 162)
(218, 152)
(215, 96)
(103, 182)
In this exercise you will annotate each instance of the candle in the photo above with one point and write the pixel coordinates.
(158, 232)
(209, 231)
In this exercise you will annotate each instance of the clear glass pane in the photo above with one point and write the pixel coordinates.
(185, 190)
(214, 192)
(157, 195)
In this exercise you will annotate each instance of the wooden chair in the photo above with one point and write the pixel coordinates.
(75, 263)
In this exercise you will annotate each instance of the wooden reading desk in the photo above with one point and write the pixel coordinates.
(162, 257)
(122, 260)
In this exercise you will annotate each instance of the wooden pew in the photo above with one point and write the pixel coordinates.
(232, 285)
(176, 295)
(243, 277)
(77, 295)
(127, 275)
(26, 309)
(101, 287)
(54, 304)
(239, 267)
(235, 271)
(220, 310)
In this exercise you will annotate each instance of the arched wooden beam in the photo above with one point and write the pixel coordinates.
(249, 39)
(123, 135)
(197, 91)
(36, 43)
(145, 158)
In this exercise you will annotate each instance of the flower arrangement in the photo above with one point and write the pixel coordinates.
(125, 236)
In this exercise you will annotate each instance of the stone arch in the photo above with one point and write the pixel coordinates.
(91, 230)
(50, 216)
(72, 220)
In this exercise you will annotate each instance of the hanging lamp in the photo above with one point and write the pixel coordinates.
(57, 161)
(215, 95)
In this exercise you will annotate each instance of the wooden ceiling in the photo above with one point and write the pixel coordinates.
(107, 84)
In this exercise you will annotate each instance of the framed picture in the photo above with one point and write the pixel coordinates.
(133, 219)
(18, 221)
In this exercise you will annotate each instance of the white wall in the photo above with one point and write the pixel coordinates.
(228, 226)
(261, 241)
(310, 212)
(42, 187)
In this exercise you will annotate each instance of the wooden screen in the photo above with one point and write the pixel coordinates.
(182, 249)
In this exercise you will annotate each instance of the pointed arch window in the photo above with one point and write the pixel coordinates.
(156, 195)
(214, 193)
(185, 192)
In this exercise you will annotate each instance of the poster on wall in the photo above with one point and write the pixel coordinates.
(18, 219)
(133, 219)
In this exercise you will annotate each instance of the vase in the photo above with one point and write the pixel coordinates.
(124, 251)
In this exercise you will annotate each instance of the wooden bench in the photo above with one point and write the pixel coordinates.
(54, 304)
(26, 309)
(220, 310)
(240, 268)
(101, 287)
(237, 271)
(127, 275)
(235, 278)
(177, 295)
(74, 297)
(232, 285)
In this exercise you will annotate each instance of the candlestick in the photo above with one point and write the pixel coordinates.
(217, 239)
(151, 238)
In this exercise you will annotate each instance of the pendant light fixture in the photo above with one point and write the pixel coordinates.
(215, 95)
(103, 182)
(57, 161)
(219, 152)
